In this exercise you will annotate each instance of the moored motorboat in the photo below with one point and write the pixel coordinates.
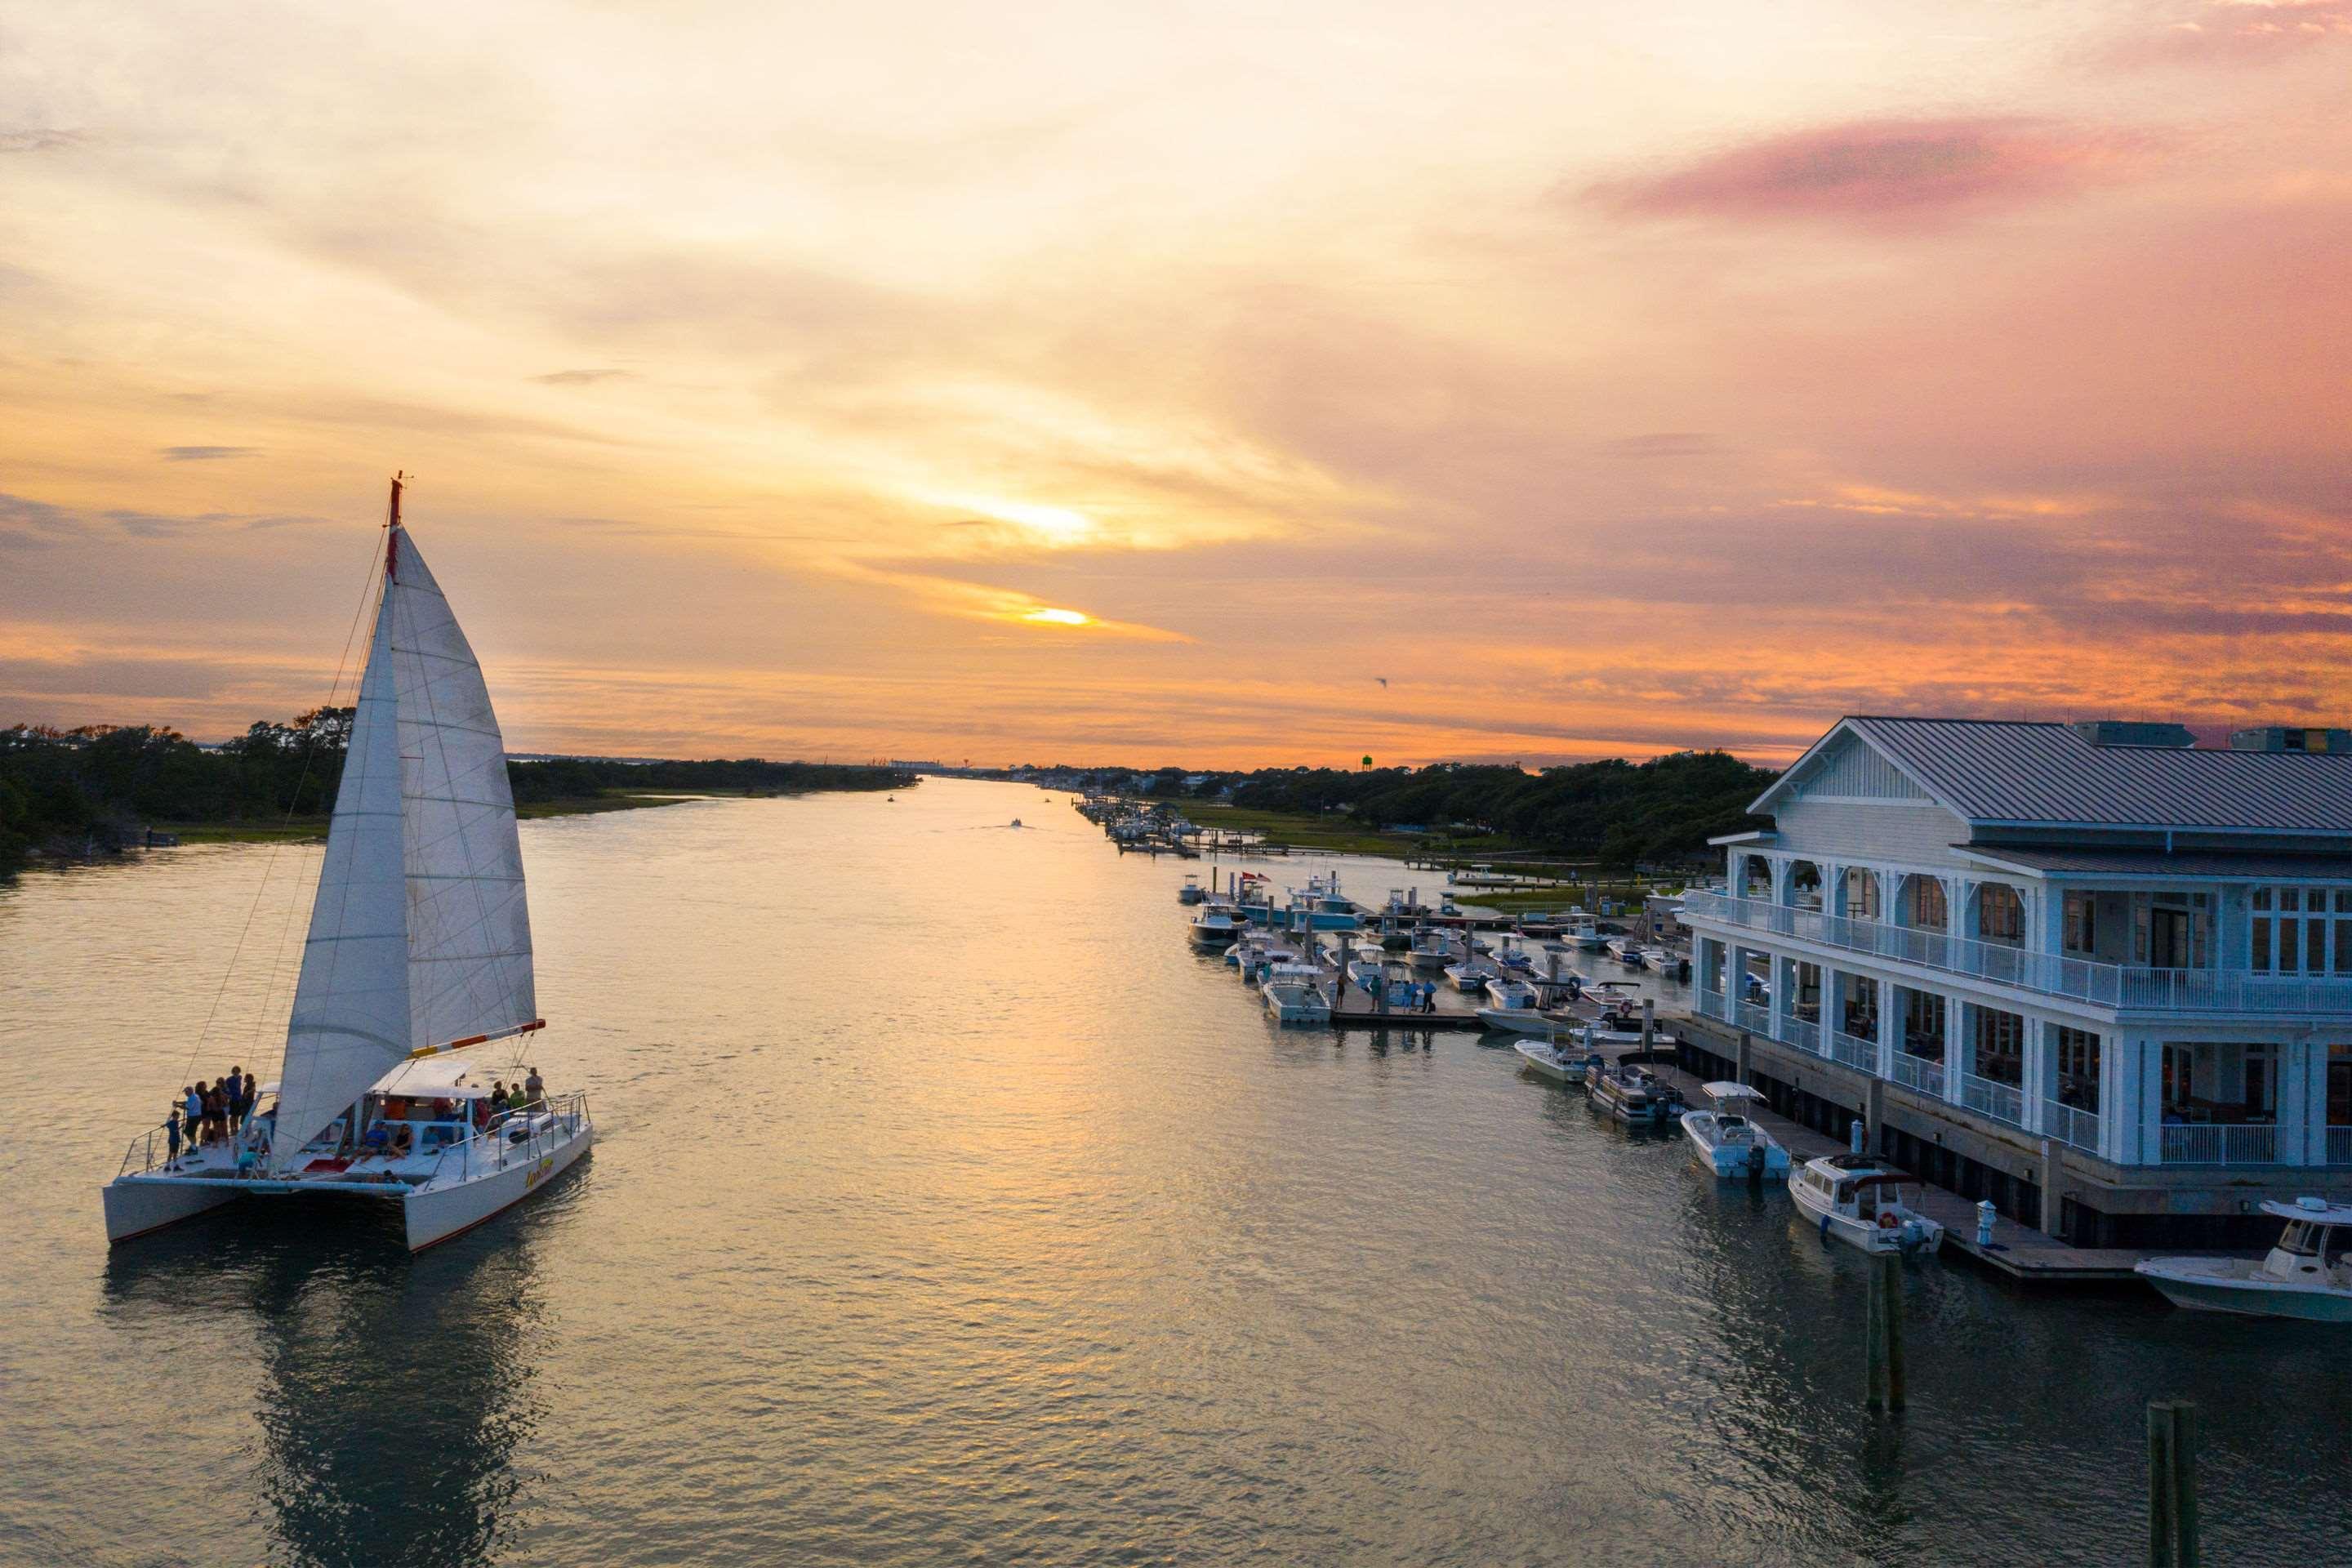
(1511, 1004)
(1627, 951)
(1431, 952)
(1559, 1060)
(1216, 926)
(1471, 974)
(1632, 1093)
(1293, 997)
(419, 947)
(1729, 1141)
(2306, 1276)
(1192, 892)
(1859, 1199)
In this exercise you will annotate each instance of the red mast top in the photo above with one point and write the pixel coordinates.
(392, 535)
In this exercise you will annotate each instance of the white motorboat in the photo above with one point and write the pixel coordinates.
(419, 947)
(1627, 951)
(1293, 997)
(1511, 1004)
(1729, 1141)
(1557, 1060)
(2307, 1275)
(1632, 1093)
(1471, 974)
(1431, 952)
(1192, 892)
(1585, 935)
(1216, 926)
(1859, 1199)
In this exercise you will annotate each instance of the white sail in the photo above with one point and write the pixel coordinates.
(468, 925)
(420, 934)
(350, 1019)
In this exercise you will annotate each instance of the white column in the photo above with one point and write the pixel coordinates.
(2039, 1087)
(1833, 1011)
(1784, 982)
(1959, 1057)
(1890, 1029)
(2298, 1145)
(2129, 1088)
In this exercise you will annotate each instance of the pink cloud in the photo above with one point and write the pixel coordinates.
(2235, 32)
(1881, 171)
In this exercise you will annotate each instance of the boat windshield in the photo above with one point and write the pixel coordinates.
(2302, 1238)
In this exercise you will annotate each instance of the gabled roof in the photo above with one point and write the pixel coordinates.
(1995, 774)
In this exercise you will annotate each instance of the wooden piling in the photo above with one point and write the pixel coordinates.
(2172, 1483)
(1881, 1337)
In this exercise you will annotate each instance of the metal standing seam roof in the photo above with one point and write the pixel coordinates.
(2156, 865)
(1995, 772)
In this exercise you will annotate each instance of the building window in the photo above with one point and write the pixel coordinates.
(2081, 935)
(1927, 908)
(2291, 931)
(2000, 1045)
(2000, 913)
(2078, 1054)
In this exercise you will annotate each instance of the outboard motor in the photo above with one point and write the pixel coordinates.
(1756, 1163)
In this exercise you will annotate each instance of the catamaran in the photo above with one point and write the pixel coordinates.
(419, 947)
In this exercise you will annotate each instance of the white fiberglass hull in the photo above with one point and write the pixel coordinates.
(135, 1206)
(436, 1214)
(1869, 1236)
(2217, 1285)
(1731, 1160)
(1553, 1066)
(1515, 1020)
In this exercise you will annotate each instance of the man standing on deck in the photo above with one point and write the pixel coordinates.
(533, 1091)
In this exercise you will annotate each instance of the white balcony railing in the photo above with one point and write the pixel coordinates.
(1802, 1033)
(1756, 1018)
(2219, 1143)
(2069, 1125)
(2049, 973)
(2340, 1146)
(1853, 1051)
(1920, 1073)
(1711, 1006)
(1989, 1097)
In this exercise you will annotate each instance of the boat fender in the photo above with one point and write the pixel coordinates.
(1887, 1221)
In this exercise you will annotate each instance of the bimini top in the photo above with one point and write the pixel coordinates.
(439, 1077)
(2319, 1211)
(1725, 1090)
(1995, 774)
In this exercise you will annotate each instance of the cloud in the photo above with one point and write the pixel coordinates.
(1664, 444)
(203, 454)
(37, 138)
(1881, 171)
(583, 377)
(2234, 33)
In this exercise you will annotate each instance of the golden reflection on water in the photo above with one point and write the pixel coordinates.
(947, 1205)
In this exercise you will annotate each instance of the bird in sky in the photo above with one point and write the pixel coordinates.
(1382, 679)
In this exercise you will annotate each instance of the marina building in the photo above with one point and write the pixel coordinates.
(2092, 973)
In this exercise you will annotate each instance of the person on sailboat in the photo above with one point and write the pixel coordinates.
(534, 1092)
(172, 1136)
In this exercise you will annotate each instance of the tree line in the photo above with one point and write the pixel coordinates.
(1620, 812)
(97, 784)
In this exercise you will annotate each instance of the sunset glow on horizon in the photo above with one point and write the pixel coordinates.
(1202, 384)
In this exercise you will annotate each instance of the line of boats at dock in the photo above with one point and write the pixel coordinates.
(1568, 1025)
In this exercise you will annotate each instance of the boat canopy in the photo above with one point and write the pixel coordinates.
(2315, 1211)
(430, 1077)
(1724, 1089)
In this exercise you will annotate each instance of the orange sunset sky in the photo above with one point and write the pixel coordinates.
(1608, 378)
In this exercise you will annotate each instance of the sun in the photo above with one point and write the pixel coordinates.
(1060, 617)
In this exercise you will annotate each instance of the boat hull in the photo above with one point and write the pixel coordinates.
(1731, 1161)
(134, 1207)
(1870, 1237)
(1515, 1020)
(1559, 1069)
(435, 1214)
(2205, 1292)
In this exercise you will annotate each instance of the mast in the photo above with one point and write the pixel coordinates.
(392, 532)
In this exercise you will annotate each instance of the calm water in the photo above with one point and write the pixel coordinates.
(946, 1208)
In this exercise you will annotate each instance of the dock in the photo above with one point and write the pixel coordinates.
(2019, 1252)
